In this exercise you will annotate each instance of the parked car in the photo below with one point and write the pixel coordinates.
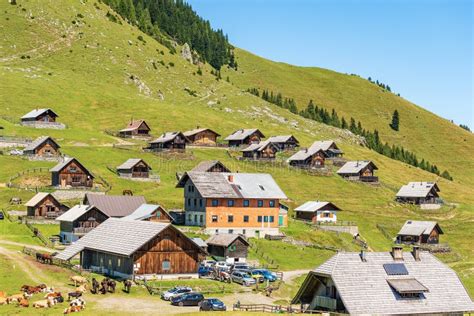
(267, 275)
(240, 266)
(188, 299)
(204, 271)
(208, 263)
(222, 265)
(257, 277)
(176, 291)
(1, 215)
(242, 278)
(212, 304)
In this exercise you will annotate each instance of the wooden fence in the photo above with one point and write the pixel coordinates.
(40, 236)
(279, 309)
(21, 173)
(57, 262)
(211, 289)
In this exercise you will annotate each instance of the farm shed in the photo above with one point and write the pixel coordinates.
(317, 211)
(202, 137)
(114, 205)
(359, 171)
(211, 166)
(201, 243)
(244, 137)
(284, 142)
(150, 212)
(308, 158)
(169, 141)
(135, 128)
(43, 146)
(419, 193)
(384, 283)
(134, 168)
(78, 221)
(71, 172)
(261, 151)
(229, 247)
(40, 115)
(419, 232)
(329, 147)
(44, 205)
(123, 248)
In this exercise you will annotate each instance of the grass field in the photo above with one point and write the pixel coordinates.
(84, 71)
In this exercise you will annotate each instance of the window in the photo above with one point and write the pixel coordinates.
(158, 214)
(246, 218)
(231, 231)
(271, 203)
(244, 231)
(259, 219)
(189, 188)
(200, 202)
(72, 169)
(265, 219)
(110, 262)
(230, 218)
(272, 219)
(195, 218)
(246, 203)
(215, 203)
(119, 262)
(189, 202)
(214, 218)
(190, 217)
(260, 203)
(166, 265)
(230, 203)
(166, 237)
(195, 202)
(201, 218)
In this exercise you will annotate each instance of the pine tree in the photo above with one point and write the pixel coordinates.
(395, 121)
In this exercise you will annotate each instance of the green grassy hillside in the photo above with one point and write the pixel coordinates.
(69, 56)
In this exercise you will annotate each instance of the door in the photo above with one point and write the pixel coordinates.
(280, 220)
(63, 182)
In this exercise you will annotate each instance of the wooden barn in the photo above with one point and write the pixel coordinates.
(71, 172)
(135, 128)
(134, 168)
(202, 137)
(262, 151)
(39, 115)
(317, 211)
(169, 141)
(359, 171)
(284, 142)
(329, 147)
(43, 146)
(114, 205)
(419, 193)
(308, 158)
(124, 248)
(419, 232)
(78, 221)
(150, 212)
(229, 247)
(244, 137)
(44, 205)
(211, 166)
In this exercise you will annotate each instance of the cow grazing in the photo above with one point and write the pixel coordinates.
(44, 303)
(95, 286)
(73, 309)
(127, 285)
(73, 295)
(77, 279)
(111, 284)
(15, 298)
(23, 303)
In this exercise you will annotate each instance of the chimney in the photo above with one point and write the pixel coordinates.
(230, 178)
(362, 256)
(416, 253)
(397, 253)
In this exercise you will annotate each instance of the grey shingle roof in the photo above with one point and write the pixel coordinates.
(313, 206)
(305, 153)
(243, 185)
(241, 134)
(60, 166)
(417, 228)
(198, 241)
(417, 189)
(364, 287)
(117, 236)
(40, 196)
(351, 167)
(224, 239)
(205, 166)
(144, 211)
(130, 163)
(114, 205)
(74, 213)
(168, 136)
(36, 112)
(280, 138)
(198, 130)
(39, 141)
(258, 147)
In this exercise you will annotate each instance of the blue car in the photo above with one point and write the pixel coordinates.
(267, 275)
(212, 304)
(204, 271)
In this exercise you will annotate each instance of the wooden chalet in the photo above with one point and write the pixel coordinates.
(419, 232)
(169, 141)
(43, 146)
(202, 137)
(134, 168)
(284, 142)
(419, 193)
(359, 171)
(71, 172)
(114, 205)
(244, 137)
(39, 116)
(262, 151)
(211, 166)
(78, 221)
(135, 128)
(308, 158)
(317, 211)
(384, 283)
(229, 247)
(44, 205)
(151, 213)
(329, 147)
(125, 248)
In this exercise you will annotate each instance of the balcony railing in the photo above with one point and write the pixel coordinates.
(82, 230)
(324, 302)
(369, 179)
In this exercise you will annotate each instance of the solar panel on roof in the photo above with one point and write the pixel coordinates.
(395, 269)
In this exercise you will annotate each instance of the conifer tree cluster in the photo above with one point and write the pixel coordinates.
(465, 127)
(380, 84)
(373, 141)
(395, 121)
(177, 19)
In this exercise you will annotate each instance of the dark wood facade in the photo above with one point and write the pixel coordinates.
(316, 160)
(139, 170)
(47, 148)
(204, 137)
(160, 215)
(431, 238)
(73, 174)
(253, 138)
(237, 249)
(178, 142)
(267, 152)
(48, 207)
(47, 116)
(72, 231)
(290, 143)
(135, 128)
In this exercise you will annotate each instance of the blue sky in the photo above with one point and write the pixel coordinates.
(421, 48)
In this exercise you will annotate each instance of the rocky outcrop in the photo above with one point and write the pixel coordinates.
(186, 53)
